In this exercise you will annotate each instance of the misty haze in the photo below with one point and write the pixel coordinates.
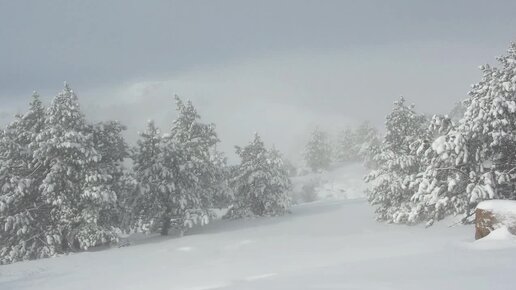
(257, 144)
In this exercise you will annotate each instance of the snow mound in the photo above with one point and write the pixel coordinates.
(499, 234)
(500, 238)
(505, 206)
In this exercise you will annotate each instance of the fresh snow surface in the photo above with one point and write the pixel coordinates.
(506, 206)
(330, 244)
(500, 234)
(500, 238)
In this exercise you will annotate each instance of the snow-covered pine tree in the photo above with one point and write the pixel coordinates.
(476, 161)
(403, 126)
(318, 151)
(291, 168)
(367, 141)
(358, 144)
(397, 163)
(261, 183)
(347, 149)
(222, 193)
(23, 212)
(250, 180)
(440, 187)
(489, 126)
(190, 153)
(74, 186)
(151, 206)
(181, 174)
(110, 173)
(280, 186)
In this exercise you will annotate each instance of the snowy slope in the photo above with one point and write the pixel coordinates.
(333, 244)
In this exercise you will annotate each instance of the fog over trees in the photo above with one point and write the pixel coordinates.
(257, 145)
(66, 186)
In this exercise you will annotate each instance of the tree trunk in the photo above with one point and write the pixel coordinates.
(165, 226)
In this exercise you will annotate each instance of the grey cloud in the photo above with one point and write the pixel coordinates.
(99, 43)
(276, 67)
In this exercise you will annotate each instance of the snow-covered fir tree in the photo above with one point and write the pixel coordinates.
(369, 150)
(347, 149)
(181, 178)
(154, 181)
(476, 160)
(190, 153)
(280, 185)
(367, 140)
(60, 181)
(357, 144)
(23, 212)
(318, 151)
(439, 187)
(291, 168)
(111, 173)
(222, 193)
(489, 126)
(261, 182)
(397, 163)
(77, 182)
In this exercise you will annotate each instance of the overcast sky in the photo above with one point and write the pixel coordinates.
(275, 67)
